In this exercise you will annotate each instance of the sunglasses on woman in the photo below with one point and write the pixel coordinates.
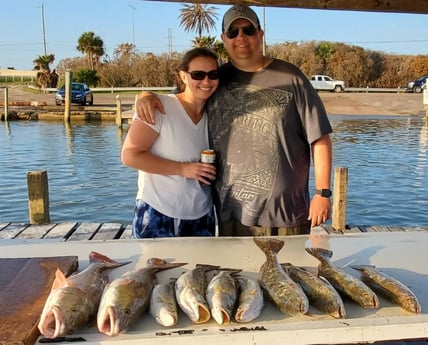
(200, 75)
(248, 30)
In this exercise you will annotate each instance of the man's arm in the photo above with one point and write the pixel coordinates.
(320, 207)
(147, 103)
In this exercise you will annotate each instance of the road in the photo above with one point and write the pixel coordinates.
(335, 103)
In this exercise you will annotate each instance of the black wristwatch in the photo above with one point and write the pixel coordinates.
(326, 193)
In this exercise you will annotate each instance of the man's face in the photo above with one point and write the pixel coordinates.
(243, 41)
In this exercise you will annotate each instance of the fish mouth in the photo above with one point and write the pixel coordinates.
(221, 316)
(52, 323)
(108, 324)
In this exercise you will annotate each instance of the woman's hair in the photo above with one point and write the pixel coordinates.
(188, 57)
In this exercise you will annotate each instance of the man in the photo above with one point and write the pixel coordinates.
(265, 120)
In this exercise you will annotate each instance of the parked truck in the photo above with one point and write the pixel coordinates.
(326, 83)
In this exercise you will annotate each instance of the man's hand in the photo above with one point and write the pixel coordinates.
(203, 172)
(147, 104)
(319, 210)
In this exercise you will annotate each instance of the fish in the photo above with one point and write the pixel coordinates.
(190, 290)
(287, 295)
(128, 296)
(73, 301)
(221, 295)
(346, 284)
(163, 305)
(319, 291)
(250, 300)
(389, 287)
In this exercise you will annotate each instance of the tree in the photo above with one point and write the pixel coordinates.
(45, 78)
(198, 18)
(92, 46)
(87, 76)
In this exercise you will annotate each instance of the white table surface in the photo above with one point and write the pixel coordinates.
(400, 254)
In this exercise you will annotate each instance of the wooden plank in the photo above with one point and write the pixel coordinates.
(35, 231)
(12, 230)
(85, 231)
(127, 233)
(61, 231)
(108, 231)
(24, 286)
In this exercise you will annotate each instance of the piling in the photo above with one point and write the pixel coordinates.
(340, 190)
(6, 103)
(38, 197)
(118, 112)
(67, 106)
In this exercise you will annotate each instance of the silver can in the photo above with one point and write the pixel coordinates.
(208, 156)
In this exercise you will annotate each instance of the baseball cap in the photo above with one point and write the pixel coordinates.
(239, 12)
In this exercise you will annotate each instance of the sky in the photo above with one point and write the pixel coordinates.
(153, 26)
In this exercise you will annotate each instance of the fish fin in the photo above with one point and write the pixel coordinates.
(161, 264)
(361, 267)
(268, 245)
(106, 261)
(60, 280)
(208, 267)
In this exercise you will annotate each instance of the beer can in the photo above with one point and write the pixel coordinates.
(208, 156)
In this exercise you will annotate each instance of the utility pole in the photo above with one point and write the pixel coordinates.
(133, 23)
(169, 42)
(43, 30)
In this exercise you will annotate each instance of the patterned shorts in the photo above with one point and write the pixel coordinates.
(149, 223)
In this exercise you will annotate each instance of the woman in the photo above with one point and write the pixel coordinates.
(171, 200)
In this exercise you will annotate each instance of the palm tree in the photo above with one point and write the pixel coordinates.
(45, 78)
(92, 46)
(198, 18)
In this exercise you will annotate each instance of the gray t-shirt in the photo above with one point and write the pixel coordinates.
(261, 126)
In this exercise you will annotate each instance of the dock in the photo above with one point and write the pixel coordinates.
(87, 231)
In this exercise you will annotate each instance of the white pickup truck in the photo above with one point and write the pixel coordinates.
(324, 82)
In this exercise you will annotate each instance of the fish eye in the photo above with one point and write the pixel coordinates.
(126, 312)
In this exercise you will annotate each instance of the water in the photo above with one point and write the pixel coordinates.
(386, 158)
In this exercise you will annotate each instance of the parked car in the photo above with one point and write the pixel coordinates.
(416, 86)
(324, 82)
(80, 93)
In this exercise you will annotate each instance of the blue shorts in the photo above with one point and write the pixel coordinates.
(149, 223)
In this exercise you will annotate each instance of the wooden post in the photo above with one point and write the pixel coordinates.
(118, 112)
(6, 104)
(67, 107)
(38, 197)
(340, 198)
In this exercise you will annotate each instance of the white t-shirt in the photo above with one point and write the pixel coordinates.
(180, 140)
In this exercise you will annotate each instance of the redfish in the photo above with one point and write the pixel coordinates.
(344, 283)
(287, 295)
(389, 287)
(250, 300)
(127, 297)
(73, 301)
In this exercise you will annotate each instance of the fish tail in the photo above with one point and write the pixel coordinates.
(269, 246)
(95, 257)
(321, 254)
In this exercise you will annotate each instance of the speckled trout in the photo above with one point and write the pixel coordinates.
(344, 283)
(222, 294)
(127, 297)
(319, 291)
(287, 295)
(190, 290)
(73, 301)
(163, 305)
(389, 287)
(250, 300)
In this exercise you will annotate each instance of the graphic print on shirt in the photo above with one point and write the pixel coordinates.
(248, 159)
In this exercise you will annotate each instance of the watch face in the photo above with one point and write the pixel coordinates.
(326, 193)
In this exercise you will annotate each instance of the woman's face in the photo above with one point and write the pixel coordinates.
(201, 67)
